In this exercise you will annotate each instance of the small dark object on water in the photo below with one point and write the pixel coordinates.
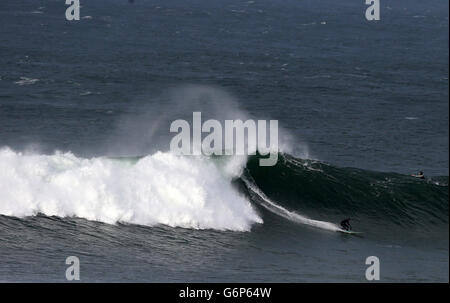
(345, 224)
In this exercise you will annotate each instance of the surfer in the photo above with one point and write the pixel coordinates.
(420, 175)
(345, 224)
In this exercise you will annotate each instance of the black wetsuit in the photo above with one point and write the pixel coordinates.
(420, 175)
(345, 224)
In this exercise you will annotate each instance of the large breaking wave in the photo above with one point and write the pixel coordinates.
(158, 189)
(199, 192)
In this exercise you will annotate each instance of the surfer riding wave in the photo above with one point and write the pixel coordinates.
(345, 224)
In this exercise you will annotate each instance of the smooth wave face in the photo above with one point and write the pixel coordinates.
(318, 188)
(283, 212)
(158, 189)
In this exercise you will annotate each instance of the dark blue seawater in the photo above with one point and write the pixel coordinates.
(85, 111)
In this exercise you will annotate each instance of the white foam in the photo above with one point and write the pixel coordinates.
(159, 189)
(26, 81)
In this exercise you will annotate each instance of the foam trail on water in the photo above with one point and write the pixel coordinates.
(161, 188)
(283, 212)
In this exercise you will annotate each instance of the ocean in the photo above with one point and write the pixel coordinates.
(86, 170)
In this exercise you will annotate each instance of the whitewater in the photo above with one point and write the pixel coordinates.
(189, 192)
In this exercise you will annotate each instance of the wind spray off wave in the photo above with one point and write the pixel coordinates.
(162, 188)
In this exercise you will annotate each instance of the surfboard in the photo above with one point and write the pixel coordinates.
(350, 232)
